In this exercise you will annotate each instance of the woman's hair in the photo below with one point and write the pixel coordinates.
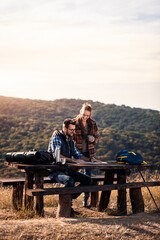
(87, 107)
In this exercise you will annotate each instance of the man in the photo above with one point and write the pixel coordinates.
(68, 150)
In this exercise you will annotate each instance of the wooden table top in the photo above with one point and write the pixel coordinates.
(75, 166)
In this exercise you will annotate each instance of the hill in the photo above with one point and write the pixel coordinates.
(28, 124)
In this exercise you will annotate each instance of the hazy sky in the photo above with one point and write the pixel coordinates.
(102, 50)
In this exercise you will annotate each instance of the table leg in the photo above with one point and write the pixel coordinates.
(122, 205)
(17, 196)
(94, 196)
(64, 205)
(39, 199)
(105, 195)
(29, 202)
(136, 200)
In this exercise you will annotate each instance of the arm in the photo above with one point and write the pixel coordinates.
(54, 142)
(70, 160)
(79, 156)
(94, 133)
(95, 160)
(85, 159)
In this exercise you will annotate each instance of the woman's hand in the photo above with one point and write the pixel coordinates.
(91, 138)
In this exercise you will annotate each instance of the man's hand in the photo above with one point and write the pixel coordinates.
(95, 160)
(80, 161)
(86, 159)
(70, 160)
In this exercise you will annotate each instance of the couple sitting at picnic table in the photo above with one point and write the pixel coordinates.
(77, 140)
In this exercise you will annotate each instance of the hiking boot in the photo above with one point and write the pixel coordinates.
(85, 204)
(74, 213)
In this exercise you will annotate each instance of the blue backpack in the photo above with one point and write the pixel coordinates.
(129, 157)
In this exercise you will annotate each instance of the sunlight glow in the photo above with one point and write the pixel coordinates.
(84, 49)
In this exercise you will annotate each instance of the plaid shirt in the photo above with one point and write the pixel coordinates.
(56, 141)
(92, 130)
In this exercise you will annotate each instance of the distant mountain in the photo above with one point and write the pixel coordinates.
(26, 124)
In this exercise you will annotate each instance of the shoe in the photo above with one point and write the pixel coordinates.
(74, 213)
(85, 204)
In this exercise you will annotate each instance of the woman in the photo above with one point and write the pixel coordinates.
(86, 137)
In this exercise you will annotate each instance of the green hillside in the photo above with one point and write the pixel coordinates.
(28, 124)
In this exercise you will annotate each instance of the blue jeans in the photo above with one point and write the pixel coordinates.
(86, 172)
(68, 178)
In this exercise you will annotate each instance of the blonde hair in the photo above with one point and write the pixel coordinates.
(87, 107)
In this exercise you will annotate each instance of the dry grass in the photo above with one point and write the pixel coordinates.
(88, 224)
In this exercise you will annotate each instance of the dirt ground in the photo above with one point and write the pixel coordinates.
(86, 225)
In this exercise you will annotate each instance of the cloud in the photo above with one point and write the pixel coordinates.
(88, 41)
(83, 9)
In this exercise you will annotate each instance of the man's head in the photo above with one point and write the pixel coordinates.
(68, 127)
(85, 111)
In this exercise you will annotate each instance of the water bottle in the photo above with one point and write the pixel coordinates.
(57, 153)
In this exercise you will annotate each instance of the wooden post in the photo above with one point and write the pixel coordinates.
(122, 205)
(94, 195)
(136, 200)
(29, 203)
(64, 205)
(17, 196)
(105, 195)
(39, 199)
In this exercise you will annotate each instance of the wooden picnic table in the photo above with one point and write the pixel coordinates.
(36, 173)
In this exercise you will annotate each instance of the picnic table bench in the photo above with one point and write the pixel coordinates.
(34, 175)
(18, 188)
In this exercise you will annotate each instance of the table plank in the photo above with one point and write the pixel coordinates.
(86, 165)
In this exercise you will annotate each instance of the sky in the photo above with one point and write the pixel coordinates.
(100, 50)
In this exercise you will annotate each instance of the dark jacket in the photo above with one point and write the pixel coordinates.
(92, 130)
(66, 146)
